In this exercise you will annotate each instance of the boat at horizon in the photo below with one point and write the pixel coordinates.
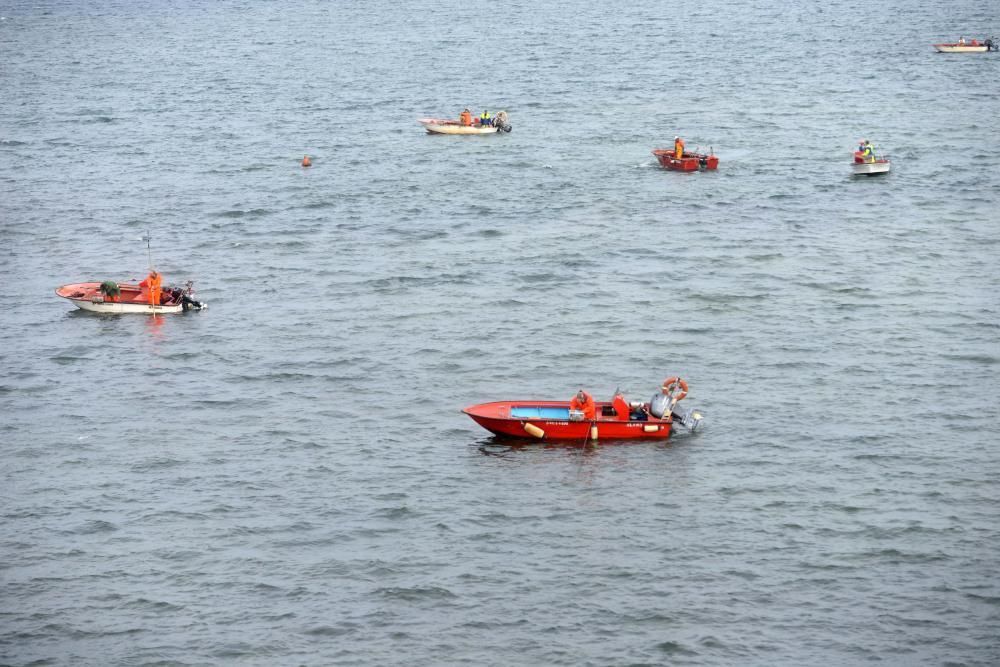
(971, 46)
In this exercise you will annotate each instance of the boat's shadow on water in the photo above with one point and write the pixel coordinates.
(89, 314)
(498, 446)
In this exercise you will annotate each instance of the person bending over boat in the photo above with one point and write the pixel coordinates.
(175, 295)
(484, 119)
(678, 147)
(465, 118)
(151, 288)
(585, 402)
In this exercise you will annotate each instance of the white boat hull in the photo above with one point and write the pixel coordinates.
(871, 168)
(965, 48)
(438, 126)
(119, 308)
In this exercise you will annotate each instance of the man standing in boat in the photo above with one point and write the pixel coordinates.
(869, 151)
(585, 402)
(151, 287)
(678, 147)
(484, 119)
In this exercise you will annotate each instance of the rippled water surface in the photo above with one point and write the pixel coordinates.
(286, 478)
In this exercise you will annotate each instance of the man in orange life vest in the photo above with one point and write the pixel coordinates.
(585, 402)
(678, 147)
(151, 287)
(465, 118)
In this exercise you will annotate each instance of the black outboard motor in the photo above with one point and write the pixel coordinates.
(500, 122)
(183, 296)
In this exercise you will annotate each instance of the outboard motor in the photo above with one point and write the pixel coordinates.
(660, 405)
(664, 405)
(691, 417)
(185, 297)
(500, 122)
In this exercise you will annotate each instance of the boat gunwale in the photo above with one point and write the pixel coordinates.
(87, 302)
(511, 404)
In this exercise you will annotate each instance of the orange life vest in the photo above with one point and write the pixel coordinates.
(587, 405)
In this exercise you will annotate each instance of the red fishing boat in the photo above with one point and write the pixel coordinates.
(687, 162)
(555, 420)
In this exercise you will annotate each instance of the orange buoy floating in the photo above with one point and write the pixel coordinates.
(306, 162)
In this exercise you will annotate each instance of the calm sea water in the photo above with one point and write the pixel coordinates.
(286, 478)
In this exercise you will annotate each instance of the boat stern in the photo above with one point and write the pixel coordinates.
(871, 168)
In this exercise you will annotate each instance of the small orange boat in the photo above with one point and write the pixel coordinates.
(687, 162)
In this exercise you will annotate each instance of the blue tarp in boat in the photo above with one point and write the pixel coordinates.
(535, 412)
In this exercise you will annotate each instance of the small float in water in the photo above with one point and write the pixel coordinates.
(687, 162)
(557, 420)
(498, 123)
(971, 46)
(117, 298)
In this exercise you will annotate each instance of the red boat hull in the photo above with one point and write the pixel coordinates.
(688, 161)
(511, 419)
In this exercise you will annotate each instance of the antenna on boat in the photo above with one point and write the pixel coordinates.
(149, 252)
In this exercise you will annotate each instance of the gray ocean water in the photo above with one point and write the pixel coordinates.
(286, 477)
